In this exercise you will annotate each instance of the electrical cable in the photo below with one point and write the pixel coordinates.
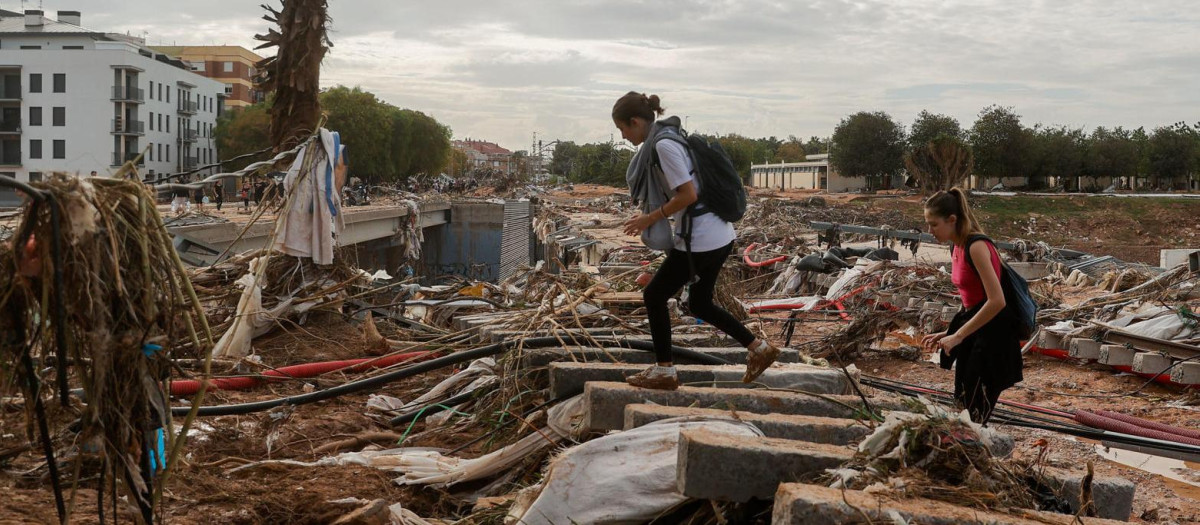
(433, 364)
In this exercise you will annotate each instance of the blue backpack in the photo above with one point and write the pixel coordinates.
(1017, 298)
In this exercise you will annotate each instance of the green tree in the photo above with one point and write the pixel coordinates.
(929, 126)
(816, 146)
(420, 144)
(1173, 155)
(790, 151)
(1001, 144)
(1059, 152)
(243, 130)
(1110, 153)
(744, 151)
(361, 119)
(868, 144)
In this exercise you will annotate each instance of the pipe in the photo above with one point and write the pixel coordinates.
(1153, 425)
(751, 263)
(433, 364)
(1107, 423)
(187, 387)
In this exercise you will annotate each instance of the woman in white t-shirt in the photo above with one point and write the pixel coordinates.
(711, 239)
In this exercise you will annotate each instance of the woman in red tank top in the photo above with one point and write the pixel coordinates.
(981, 338)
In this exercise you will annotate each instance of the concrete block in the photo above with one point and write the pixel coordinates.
(540, 357)
(1084, 348)
(915, 302)
(931, 306)
(1150, 362)
(948, 313)
(799, 504)
(1186, 373)
(567, 379)
(1050, 340)
(814, 429)
(1031, 270)
(1113, 496)
(1174, 257)
(1116, 355)
(604, 403)
(717, 466)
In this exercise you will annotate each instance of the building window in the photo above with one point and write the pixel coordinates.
(31, 47)
(168, 125)
(60, 149)
(151, 90)
(151, 121)
(228, 89)
(35, 149)
(168, 95)
(150, 152)
(168, 151)
(35, 83)
(59, 116)
(160, 151)
(227, 67)
(159, 121)
(35, 116)
(160, 91)
(72, 47)
(60, 82)
(35, 176)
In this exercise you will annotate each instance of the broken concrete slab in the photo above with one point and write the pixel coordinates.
(604, 403)
(1186, 373)
(827, 430)
(1151, 362)
(1084, 348)
(1113, 496)
(567, 379)
(800, 504)
(1116, 355)
(540, 357)
(721, 467)
(1050, 340)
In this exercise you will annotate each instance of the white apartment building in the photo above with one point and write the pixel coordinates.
(76, 100)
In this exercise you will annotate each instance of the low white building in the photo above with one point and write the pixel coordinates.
(814, 173)
(76, 100)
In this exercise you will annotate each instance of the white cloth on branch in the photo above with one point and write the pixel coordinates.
(310, 225)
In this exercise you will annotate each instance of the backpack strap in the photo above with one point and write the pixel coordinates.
(967, 248)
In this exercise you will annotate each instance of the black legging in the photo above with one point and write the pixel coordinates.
(671, 276)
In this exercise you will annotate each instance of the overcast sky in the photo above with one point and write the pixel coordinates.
(503, 70)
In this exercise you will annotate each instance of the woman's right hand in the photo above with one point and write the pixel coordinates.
(930, 341)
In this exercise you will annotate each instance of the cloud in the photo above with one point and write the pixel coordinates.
(503, 70)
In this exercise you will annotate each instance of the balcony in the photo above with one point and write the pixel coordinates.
(187, 136)
(128, 127)
(119, 159)
(128, 94)
(190, 163)
(10, 94)
(10, 125)
(187, 107)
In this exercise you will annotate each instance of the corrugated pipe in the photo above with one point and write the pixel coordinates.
(1124, 427)
(751, 263)
(1147, 424)
(189, 387)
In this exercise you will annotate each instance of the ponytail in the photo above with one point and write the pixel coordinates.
(953, 203)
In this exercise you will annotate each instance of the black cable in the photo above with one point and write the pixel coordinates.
(60, 312)
(33, 193)
(434, 364)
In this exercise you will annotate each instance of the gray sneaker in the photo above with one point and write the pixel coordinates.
(656, 378)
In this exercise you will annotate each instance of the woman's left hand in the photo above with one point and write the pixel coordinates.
(949, 342)
(636, 225)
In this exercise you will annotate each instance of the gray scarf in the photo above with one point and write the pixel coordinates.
(648, 190)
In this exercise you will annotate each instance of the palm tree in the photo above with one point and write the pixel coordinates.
(294, 73)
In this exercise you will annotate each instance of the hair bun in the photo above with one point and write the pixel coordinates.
(655, 104)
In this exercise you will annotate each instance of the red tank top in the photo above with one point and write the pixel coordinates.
(966, 279)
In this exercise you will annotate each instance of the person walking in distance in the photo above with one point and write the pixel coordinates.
(982, 337)
(668, 168)
(246, 194)
(218, 194)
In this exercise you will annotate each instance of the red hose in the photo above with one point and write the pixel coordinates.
(1114, 425)
(768, 262)
(187, 387)
(1153, 425)
(1056, 353)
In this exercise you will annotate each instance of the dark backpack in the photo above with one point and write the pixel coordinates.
(721, 189)
(1017, 299)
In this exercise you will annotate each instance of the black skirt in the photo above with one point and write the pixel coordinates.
(990, 357)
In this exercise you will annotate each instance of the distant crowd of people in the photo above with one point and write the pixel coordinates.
(251, 193)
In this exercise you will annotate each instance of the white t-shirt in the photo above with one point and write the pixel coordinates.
(709, 232)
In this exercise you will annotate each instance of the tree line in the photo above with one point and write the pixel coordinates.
(605, 162)
(873, 144)
(384, 143)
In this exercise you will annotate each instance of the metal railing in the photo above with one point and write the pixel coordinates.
(132, 127)
(190, 162)
(128, 94)
(12, 125)
(187, 135)
(187, 107)
(119, 159)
